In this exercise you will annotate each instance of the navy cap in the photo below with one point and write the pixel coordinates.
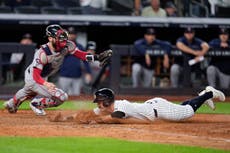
(27, 36)
(223, 31)
(150, 31)
(189, 30)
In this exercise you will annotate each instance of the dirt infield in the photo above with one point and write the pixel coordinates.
(211, 131)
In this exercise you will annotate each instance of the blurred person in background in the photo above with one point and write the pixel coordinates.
(170, 9)
(145, 63)
(154, 10)
(192, 48)
(139, 5)
(95, 66)
(13, 70)
(70, 76)
(18, 58)
(219, 70)
(95, 7)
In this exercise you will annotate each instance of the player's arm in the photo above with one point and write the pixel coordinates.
(41, 60)
(205, 48)
(118, 117)
(181, 46)
(103, 58)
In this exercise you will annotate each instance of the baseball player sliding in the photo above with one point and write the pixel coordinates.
(123, 111)
(47, 60)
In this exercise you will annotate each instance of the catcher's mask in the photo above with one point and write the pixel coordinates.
(59, 34)
(104, 95)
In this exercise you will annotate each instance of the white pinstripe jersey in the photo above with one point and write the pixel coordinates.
(163, 109)
(48, 61)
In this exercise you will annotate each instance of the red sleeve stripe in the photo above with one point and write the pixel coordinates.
(80, 54)
(37, 76)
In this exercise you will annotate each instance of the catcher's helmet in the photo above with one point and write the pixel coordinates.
(60, 34)
(51, 30)
(105, 95)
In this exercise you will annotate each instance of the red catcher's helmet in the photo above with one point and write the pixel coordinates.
(57, 32)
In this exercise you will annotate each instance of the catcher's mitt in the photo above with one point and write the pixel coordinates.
(104, 57)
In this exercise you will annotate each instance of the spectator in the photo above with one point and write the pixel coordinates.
(193, 49)
(219, 70)
(95, 7)
(91, 47)
(144, 65)
(139, 5)
(70, 79)
(18, 58)
(12, 70)
(154, 10)
(170, 9)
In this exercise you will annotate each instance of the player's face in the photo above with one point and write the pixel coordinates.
(100, 105)
(52, 41)
(155, 4)
(224, 37)
(149, 38)
(189, 35)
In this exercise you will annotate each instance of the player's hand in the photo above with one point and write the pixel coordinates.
(224, 45)
(50, 86)
(147, 60)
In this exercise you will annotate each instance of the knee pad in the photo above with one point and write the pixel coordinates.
(59, 96)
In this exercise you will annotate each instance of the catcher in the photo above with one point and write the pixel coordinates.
(47, 61)
(123, 111)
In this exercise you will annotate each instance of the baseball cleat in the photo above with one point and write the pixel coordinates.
(9, 105)
(37, 109)
(216, 93)
(208, 102)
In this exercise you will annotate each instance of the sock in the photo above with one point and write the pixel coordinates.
(198, 101)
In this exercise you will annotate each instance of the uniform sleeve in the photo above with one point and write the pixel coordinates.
(166, 46)
(40, 60)
(180, 40)
(214, 43)
(199, 41)
(140, 47)
(72, 49)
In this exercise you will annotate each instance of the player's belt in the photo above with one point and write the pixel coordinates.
(155, 112)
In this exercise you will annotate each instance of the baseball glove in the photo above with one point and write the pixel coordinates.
(104, 57)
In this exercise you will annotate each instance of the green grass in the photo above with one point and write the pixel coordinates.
(221, 107)
(91, 145)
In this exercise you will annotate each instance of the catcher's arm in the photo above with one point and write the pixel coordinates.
(103, 58)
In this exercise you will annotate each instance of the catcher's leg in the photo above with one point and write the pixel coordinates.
(50, 99)
(23, 94)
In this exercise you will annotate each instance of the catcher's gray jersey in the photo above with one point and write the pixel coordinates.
(48, 61)
(153, 108)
